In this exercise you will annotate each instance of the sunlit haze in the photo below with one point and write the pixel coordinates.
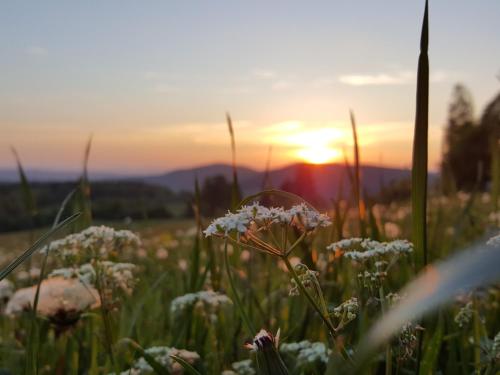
(152, 82)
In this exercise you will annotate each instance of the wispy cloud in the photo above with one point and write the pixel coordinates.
(404, 77)
(281, 85)
(263, 73)
(399, 78)
(36, 51)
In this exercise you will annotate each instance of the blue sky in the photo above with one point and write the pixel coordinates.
(152, 80)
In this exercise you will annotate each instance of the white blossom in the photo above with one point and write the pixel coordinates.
(362, 249)
(306, 352)
(211, 301)
(240, 221)
(96, 241)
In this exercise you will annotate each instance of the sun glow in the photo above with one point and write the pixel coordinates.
(318, 155)
(312, 143)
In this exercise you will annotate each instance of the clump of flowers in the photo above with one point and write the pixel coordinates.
(252, 219)
(114, 276)
(363, 249)
(208, 302)
(307, 277)
(494, 241)
(307, 357)
(96, 242)
(163, 355)
(407, 341)
(244, 367)
(464, 315)
(346, 312)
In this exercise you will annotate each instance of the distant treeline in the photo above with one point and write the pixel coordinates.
(120, 200)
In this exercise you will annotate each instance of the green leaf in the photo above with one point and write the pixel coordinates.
(235, 192)
(433, 347)
(29, 252)
(420, 146)
(28, 197)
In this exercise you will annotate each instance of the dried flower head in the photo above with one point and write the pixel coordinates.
(464, 315)
(61, 300)
(264, 340)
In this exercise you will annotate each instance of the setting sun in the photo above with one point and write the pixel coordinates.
(318, 155)
(311, 143)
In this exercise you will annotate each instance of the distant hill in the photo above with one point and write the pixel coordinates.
(11, 175)
(326, 177)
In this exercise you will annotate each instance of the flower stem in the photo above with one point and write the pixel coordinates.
(388, 351)
(236, 296)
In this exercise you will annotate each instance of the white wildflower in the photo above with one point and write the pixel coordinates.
(494, 241)
(306, 352)
(209, 300)
(347, 310)
(464, 315)
(93, 242)
(115, 275)
(240, 221)
(362, 249)
(162, 354)
(243, 367)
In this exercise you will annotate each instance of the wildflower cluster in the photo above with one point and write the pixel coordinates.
(115, 276)
(494, 241)
(495, 348)
(302, 216)
(346, 312)
(407, 341)
(306, 353)
(207, 301)
(94, 242)
(163, 355)
(374, 278)
(241, 368)
(307, 277)
(464, 315)
(363, 249)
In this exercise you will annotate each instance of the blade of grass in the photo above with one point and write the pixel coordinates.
(188, 369)
(420, 146)
(31, 363)
(433, 347)
(38, 243)
(357, 179)
(235, 190)
(28, 197)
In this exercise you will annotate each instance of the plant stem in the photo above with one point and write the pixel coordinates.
(236, 296)
(388, 351)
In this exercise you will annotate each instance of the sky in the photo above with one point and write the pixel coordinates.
(152, 81)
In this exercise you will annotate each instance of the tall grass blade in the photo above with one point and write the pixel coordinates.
(38, 243)
(266, 180)
(357, 180)
(31, 363)
(420, 145)
(28, 197)
(235, 190)
(195, 255)
(83, 202)
(431, 355)
(437, 285)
